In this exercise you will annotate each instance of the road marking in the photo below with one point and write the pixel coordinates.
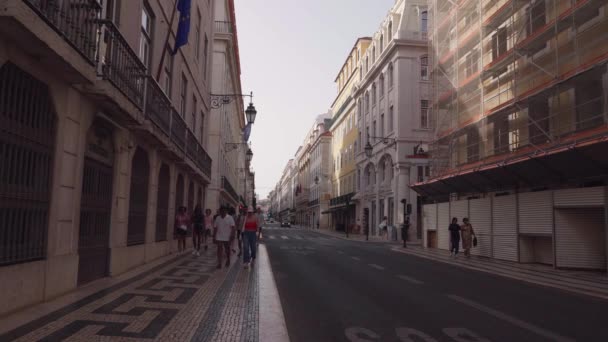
(340, 252)
(410, 279)
(355, 258)
(378, 267)
(272, 237)
(284, 237)
(298, 237)
(510, 319)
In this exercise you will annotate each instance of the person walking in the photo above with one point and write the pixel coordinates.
(239, 230)
(198, 231)
(454, 237)
(208, 226)
(467, 232)
(260, 216)
(384, 227)
(250, 230)
(223, 235)
(182, 222)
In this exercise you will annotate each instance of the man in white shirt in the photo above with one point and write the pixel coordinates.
(223, 235)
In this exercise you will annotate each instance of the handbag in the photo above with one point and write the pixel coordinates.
(474, 241)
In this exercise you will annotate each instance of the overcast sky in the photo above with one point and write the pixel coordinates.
(291, 52)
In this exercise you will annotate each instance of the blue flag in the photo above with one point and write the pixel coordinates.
(183, 28)
(247, 131)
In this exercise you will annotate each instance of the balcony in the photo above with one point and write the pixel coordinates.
(313, 203)
(76, 21)
(341, 200)
(121, 66)
(223, 27)
(227, 187)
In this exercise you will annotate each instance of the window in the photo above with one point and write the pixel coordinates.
(145, 39)
(381, 85)
(374, 129)
(424, 68)
(381, 43)
(390, 31)
(202, 127)
(536, 15)
(183, 99)
(390, 118)
(367, 136)
(390, 76)
(382, 125)
(373, 55)
(423, 21)
(366, 102)
(366, 64)
(471, 63)
(424, 113)
(499, 43)
(373, 94)
(194, 113)
(360, 142)
(205, 53)
(197, 45)
(168, 72)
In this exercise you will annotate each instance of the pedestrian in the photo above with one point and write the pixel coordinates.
(198, 231)
(182, 222)
(223, 235)
(384, 227)
(454, 237)
(260, 216)
(208, 226)
(467, 232)
(239, 223)
(250, 230)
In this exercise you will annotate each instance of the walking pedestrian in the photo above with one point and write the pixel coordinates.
(384, 227)
(467, 232)
(182, 222)
(250, 230)
(260, 216)
(223, 235)
(454, 236)
(198, 231)
(239, 230)
(208, 226)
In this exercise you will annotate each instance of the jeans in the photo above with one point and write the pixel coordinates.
(455, 244)
(249, 245)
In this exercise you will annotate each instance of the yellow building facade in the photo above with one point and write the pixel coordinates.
(344, 141)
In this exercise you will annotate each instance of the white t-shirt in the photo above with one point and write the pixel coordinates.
(224, 227)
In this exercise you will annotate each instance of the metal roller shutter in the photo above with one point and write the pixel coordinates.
(580, 238)
(480, 211)
(504, 228)
(581, 197)
(443, 222)
(536, 213)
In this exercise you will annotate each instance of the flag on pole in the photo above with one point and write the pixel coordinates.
(247, 132)
(183, 28)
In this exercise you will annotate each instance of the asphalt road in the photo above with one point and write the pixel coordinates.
(337, 290)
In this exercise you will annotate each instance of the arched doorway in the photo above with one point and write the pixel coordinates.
(138, 198)
(27, 142)
(162, 203)
(96, 204)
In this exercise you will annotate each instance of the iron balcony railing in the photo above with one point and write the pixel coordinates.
(313, 203)
(340, 200)
(229, 189)
(223, 27)
(159, 110)
(77, 21)
(120, 65)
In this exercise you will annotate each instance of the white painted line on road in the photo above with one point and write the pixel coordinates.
(378, 267)
(510, 319)
(410, 279)
(340, 252)
(272, 319)
(284, 237)
(272, 237)
(298, 237)
(355, 258)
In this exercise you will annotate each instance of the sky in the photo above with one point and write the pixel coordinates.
(291, 52)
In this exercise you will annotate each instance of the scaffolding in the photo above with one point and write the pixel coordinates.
(514, 77)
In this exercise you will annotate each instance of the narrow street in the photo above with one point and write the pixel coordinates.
(337, 290)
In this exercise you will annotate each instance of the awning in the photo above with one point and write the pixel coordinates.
(576, 158)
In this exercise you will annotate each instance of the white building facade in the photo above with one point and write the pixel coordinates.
(393, 120)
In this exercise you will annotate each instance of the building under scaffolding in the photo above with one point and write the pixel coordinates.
(520, 97)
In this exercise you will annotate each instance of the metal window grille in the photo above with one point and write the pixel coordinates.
(138, 199)
(27, 139)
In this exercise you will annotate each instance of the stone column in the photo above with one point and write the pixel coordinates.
(152, 251)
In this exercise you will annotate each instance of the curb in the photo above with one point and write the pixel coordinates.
(272, 320)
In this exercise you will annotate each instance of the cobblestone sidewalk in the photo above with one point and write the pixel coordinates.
(183, 299)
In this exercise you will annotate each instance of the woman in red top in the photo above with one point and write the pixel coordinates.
(250, 229)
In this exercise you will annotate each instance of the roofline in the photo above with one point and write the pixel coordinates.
(351, 50)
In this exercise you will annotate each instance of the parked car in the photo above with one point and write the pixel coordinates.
(285, 224)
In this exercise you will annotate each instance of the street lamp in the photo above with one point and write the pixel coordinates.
(250, 112)
(317, 180)
(368, 150)
(249, 155)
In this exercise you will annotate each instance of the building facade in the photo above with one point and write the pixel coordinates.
(344, 132)
(320, 174)
(520, 94)
(227, 120)
(105, 140)
(392, 98)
